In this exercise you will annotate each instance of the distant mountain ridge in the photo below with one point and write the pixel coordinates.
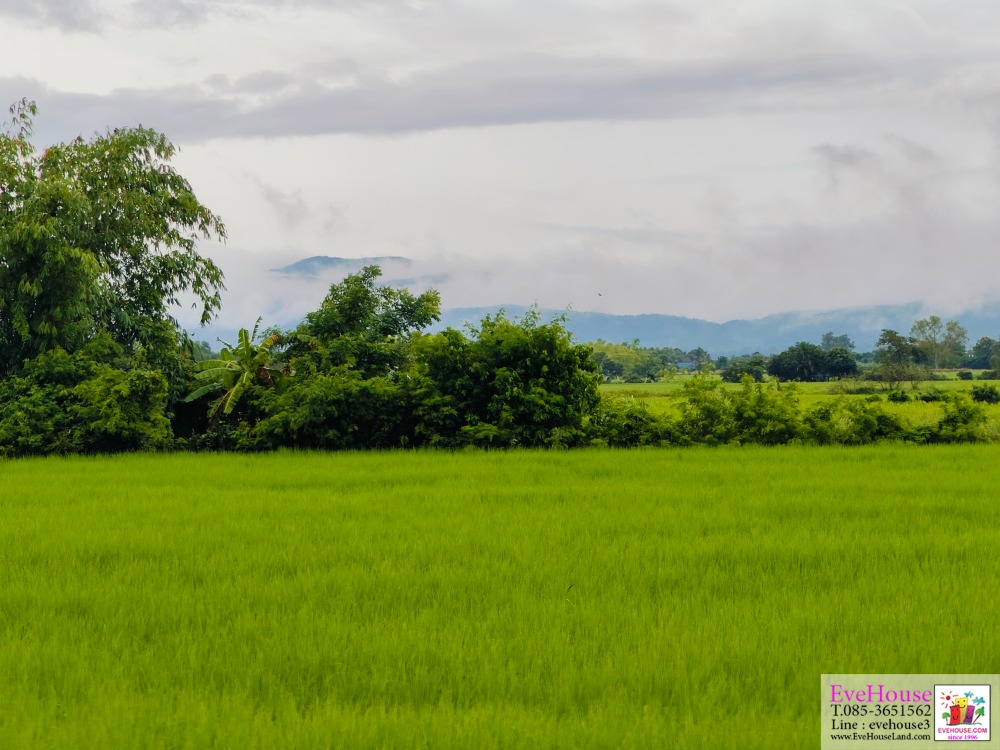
(767, 335)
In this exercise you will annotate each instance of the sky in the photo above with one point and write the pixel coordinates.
(716, 159)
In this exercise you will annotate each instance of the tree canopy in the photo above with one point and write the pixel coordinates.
(96, 235)
(810, 363)
(943, 344)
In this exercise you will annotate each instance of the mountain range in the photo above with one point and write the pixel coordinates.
(767, 335)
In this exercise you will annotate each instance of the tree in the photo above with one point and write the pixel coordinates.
(829, 342)
(363, 325)
(354, 384)
(803, 361)
(942, 343)
(981, 354)
(809, 363)
(737, 367)
(96, 235)
(898, 358)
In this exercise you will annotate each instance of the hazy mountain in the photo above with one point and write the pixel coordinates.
(767, 335)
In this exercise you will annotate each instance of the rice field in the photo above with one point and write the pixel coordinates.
(663, 397)
(649, 598)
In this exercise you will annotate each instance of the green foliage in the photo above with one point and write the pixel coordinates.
(847, 422)
(626, 422)
(829, 342)
(807, 362)
(964, 375)
(714, 415)
(514, 383)
(986, 394)
(897, 397)
(96, 236)
(354, 383)
(943, 344)
(362, 325)
(961, 422)
(636, 364)
(737, 367)
(238, 369)
(95, 400)
(980, 357)
(334, 410)
(898, 359)
(707, 414)
(765, 416)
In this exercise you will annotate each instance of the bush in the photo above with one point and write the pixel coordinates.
(897, 397)
(848, 422)
(707, 414)
(964, 375)
(93, 401)
(514, 383)
(853, 386)
(985, 394)
(960, 423)
(764, 415)
(626, 422)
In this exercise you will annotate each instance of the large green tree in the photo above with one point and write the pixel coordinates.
(363, 325)
(351, 359)
(942, 343)
(96, 235)
(809, 363)
(899, 358)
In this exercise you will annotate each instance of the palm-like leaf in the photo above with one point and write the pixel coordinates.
(237, 368)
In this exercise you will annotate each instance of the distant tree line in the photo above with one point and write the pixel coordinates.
(628, 362)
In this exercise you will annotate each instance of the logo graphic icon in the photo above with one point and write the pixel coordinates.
(963, 712)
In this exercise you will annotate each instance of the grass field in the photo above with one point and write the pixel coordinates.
(663, 397)
(672, 598)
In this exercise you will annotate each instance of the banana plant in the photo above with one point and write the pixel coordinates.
(237, 368)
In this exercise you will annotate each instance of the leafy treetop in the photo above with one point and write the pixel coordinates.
(96, 235)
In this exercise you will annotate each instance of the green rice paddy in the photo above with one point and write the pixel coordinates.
(661, 598)
(664, 397)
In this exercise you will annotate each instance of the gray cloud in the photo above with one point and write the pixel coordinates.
(93, 16)
(168, 13)
(67, 15)
(499, 92)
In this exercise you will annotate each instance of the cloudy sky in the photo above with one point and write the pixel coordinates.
(709, 158)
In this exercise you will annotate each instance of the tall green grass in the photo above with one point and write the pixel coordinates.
(684, 599)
